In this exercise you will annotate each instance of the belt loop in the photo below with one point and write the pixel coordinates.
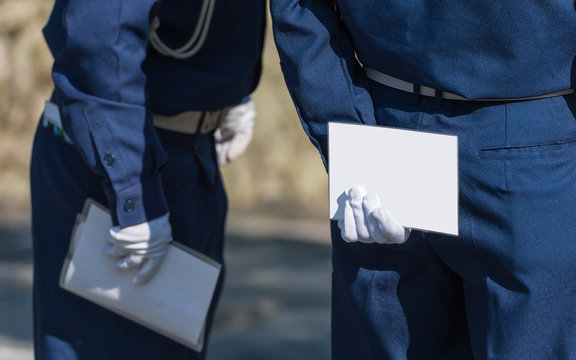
(416, 94)
(438, 97)
(198, 129)
(208, 122)
(201, 122)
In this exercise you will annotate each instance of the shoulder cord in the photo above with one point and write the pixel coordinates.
(195, 42)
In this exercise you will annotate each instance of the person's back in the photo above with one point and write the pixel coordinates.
(499, 76)
(477, 49)
(227, 67)
(150, 97)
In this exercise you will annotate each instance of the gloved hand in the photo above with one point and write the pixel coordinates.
(365, 220)
(141, 247)
(234, 135)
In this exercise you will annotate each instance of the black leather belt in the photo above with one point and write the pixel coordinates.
(398, 84)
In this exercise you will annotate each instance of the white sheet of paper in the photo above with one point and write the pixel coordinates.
(414, 173)
(174, 303)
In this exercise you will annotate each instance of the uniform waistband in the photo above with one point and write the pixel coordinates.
(191, 122)
(406, 86)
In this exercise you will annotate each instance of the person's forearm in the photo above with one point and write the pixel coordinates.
(102, 97)
(318, 61)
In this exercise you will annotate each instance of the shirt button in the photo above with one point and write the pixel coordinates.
(109, 159)
(129, 206)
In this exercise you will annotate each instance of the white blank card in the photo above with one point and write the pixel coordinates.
(414, 173)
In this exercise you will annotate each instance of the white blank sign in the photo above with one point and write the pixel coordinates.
(414, 173)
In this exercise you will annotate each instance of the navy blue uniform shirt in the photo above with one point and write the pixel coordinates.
(477, 49)
(109, 82)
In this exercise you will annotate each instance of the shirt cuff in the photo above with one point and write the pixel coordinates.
(137, 204)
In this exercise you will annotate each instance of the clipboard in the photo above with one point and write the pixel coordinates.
(174, 303)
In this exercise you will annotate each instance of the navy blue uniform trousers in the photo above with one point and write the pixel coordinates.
(506, 287)
(68, 327)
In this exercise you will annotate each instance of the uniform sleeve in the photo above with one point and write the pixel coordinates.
(319, 66)
(103, 98)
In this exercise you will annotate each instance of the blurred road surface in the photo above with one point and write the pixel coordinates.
(275, 304)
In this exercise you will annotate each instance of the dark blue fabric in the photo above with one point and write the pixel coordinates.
(477, 49)
(108, 83)
(70, 328)
(487, 49)
(503, 289)
(317, 59)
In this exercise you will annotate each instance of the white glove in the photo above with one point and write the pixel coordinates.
(365, 220)
(141, 247)
(234, 135)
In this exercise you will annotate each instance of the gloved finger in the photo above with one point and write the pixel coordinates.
(357, 194)
(376, 234)
(114, 251)
(221, 153)
(392, 231)
(218, 136)
(240, 117)
(130, 233)
(238, 146)
(231, 148)
(148, 270)
(158, 249)
(407, 232)
(141, 247)
(235, 132)
(348, 225)
(222, 136)
(130, 261)
(370, 203)
(132, 247)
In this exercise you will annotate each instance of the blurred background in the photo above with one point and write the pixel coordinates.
(276, 299)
